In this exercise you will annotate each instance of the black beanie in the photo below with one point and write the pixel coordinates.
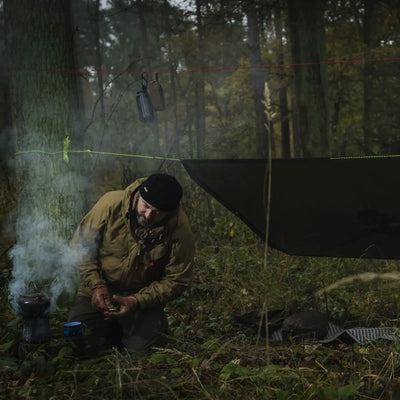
(162, 191)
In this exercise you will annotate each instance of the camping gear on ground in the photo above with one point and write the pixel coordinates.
(35, 310)
(311, 325)
(307, 324)
(74, 330)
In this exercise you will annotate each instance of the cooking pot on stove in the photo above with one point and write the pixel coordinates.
(33, 304)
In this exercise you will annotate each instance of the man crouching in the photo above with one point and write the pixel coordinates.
(139, 252)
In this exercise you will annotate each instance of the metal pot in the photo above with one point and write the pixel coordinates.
(34, 304)
(35, 309)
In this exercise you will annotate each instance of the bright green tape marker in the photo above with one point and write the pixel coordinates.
(65, 149)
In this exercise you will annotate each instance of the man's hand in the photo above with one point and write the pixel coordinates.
(100, 298)
(128, 306)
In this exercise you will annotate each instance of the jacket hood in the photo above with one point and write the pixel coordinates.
(132, 189)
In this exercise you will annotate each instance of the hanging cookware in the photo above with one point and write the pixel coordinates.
(144, 104)
(157, 94)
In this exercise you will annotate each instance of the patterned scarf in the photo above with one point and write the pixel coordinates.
(146, 235)
(150, 235)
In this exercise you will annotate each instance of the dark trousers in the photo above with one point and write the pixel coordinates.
(138, 332)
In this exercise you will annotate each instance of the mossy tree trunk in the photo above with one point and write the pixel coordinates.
(7, 193)
(45, 111)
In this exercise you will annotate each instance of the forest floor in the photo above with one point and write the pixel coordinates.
(210, 355)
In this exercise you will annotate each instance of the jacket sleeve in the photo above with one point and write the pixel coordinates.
(87, 240)
(178, 274)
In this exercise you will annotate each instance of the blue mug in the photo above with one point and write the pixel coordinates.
(74, 330)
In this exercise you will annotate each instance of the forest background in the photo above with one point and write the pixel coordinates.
(241, 79)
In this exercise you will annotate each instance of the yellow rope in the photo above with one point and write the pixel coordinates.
(361, 157)
(67, 151)
(65, 154)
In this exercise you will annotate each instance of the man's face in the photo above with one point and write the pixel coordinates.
(147, 214)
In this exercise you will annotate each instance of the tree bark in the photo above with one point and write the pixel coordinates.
(7, 191)
(45, 111)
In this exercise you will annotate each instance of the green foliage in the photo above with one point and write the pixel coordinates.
(210, 356)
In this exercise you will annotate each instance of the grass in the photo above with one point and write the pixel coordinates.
(210, 356)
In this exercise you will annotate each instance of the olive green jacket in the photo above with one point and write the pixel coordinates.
(113, 255)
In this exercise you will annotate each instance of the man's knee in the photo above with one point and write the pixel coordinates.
(149, 328)
(96, 324)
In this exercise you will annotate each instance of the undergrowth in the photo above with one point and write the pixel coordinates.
(210, 355)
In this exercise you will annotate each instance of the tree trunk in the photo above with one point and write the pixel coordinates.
(99, 64)
(200, 87)
(297, 145)
(369, 75)
(258, 81)
(285, 129)
(307, 36)
(176, 148)
(146, 56)
(45, 109)
(7, 191)
(283, 101)
(176, 133)
(200, 124)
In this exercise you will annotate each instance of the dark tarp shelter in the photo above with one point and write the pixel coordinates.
(319, 206)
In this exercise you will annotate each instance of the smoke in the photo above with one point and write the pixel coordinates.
(43, 260)
(43, 263)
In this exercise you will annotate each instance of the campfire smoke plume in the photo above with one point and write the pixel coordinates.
(50, 201)
(44, 260)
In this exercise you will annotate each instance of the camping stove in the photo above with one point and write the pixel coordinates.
(35, 310)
